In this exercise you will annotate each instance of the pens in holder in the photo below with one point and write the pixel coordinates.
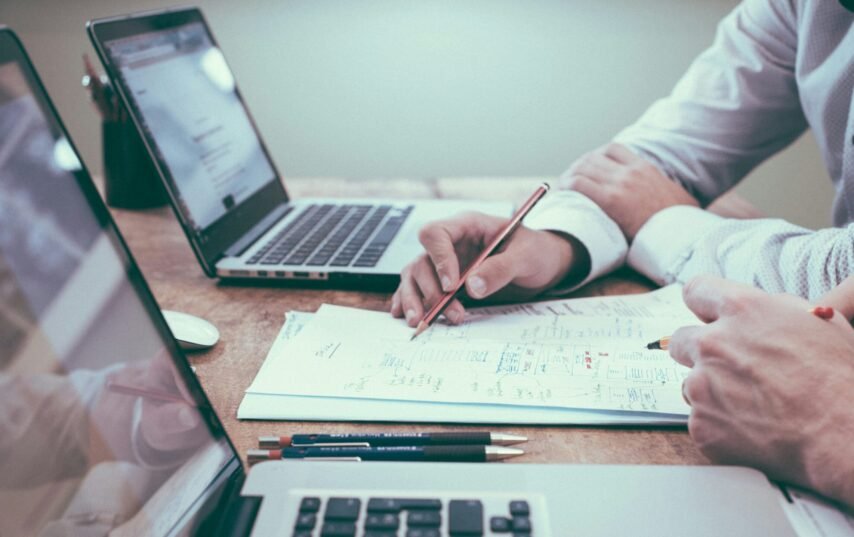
(822, 312)
(503, 235)
(130, 179)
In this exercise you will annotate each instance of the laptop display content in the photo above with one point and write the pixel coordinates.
(178, 89)
(99, 429)
(204, 137)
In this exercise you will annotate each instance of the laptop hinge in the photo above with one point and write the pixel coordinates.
(239, 517)
(249, 238)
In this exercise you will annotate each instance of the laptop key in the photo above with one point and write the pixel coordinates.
(465, 517)
(338, 529)
(423, 532)
(374, 533)
(306, 521)
(309, 505)
(520, 508)
(521, 524)
(395, 505)
(342, 509)
(500, 524)
(386, 521)
(429, 519)
(302, 533)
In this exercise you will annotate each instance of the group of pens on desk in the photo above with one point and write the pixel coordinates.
(411, 447)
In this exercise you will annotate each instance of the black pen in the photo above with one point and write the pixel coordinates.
(388, 453)
(391, 439)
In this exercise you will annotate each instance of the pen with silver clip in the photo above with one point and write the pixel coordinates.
(388, 453)
(476, 438)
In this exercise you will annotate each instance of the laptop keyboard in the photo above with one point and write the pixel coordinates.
(409, 517)
(334, 235)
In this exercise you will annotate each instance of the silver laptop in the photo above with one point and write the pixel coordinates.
(223, 185)
(104, 429)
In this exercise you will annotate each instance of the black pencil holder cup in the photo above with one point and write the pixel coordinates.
(130, 179)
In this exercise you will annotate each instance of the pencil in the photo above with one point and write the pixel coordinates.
(505, 233)
(660, 344)
(822, 312)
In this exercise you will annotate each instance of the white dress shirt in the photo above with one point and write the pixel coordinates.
(776, 68)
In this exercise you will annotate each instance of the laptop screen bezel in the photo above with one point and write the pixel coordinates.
(209, 246)
(12, 50)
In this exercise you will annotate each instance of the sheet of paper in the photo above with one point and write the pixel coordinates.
(501, 358)
(259, 406)
(256, 406)
(662, 303)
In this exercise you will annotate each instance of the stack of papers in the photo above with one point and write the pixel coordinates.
(574, 361)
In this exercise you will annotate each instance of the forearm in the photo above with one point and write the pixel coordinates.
(681, 242)
(736, 105)
(574, 215)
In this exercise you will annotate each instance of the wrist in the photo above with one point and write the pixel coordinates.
(573, 260)
(827, 462)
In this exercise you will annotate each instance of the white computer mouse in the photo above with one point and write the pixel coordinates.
(193, 333)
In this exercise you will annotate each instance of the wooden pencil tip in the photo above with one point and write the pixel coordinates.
(422, 326)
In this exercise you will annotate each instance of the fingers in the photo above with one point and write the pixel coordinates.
(494, 274)
(597, 167)
(709, 297)
(419, 290)
(440, 240)
(684, 345)
(841, 298)
(620, 153)
(411, 304)
(587, 186)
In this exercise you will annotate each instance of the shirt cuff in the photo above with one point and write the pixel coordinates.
(665, 242)
(576, 215)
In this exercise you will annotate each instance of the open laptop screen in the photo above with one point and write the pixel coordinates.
(185, 100)
(102, 425)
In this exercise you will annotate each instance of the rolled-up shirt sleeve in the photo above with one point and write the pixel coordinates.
(735, 106)
(576, 215)
(679, 243)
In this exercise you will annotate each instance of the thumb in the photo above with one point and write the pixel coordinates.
(494, 274)
(841, 298)
(439, 240)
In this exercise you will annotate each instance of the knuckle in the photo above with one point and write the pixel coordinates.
(698, 428)
(694, 387)
(610, 147)
(737, 304)
(708, 344)
(428, 233)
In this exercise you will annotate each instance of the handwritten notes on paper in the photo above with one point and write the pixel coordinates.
(583, 353)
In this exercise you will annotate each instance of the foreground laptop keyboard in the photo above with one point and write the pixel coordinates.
(334, 235)
(409, 517)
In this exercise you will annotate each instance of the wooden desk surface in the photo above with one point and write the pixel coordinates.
(250, 317)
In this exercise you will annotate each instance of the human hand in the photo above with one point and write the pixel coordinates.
(841, 299)
(626, 186)
(169, 426)
(528, 263)
(770, 385)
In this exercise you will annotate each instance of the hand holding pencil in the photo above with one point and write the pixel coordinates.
(524, 265)
(769, 383)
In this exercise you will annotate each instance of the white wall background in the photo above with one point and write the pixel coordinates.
(394, 88)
